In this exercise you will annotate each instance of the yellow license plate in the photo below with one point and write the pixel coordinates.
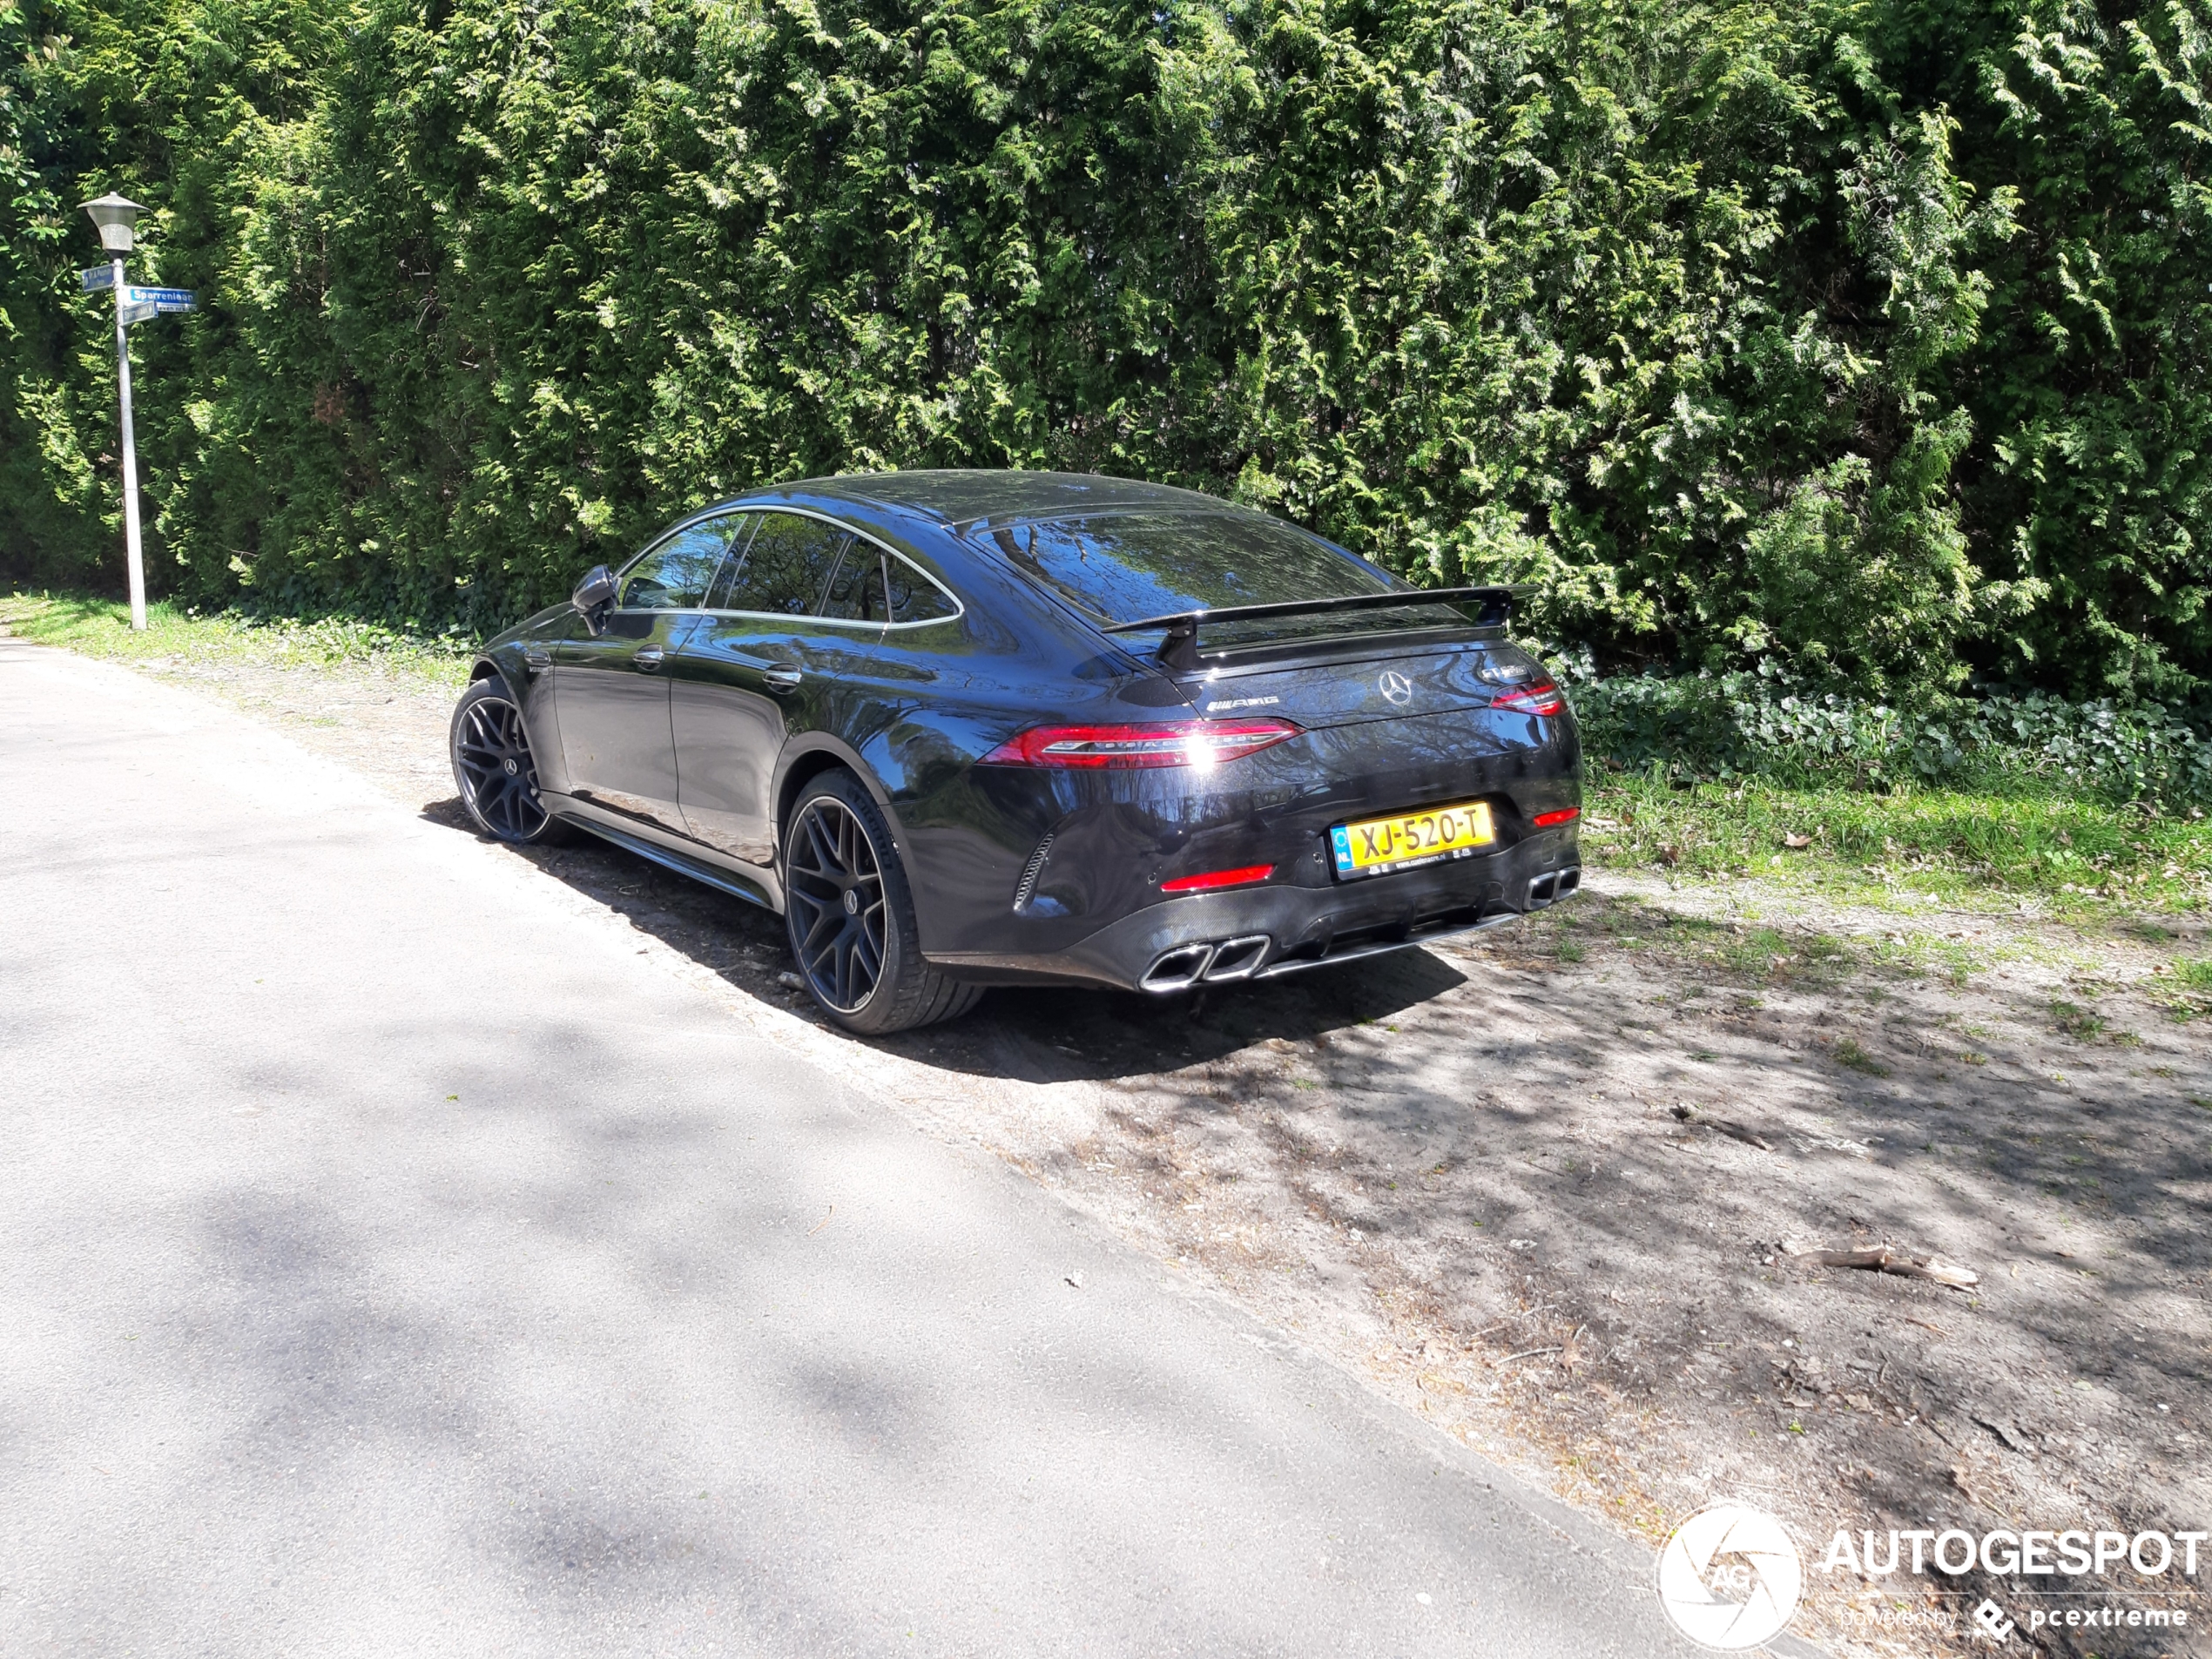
(1374, 845)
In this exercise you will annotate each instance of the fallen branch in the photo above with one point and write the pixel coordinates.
(1886, 1258)
(1529, 1353)
(1728, 1127)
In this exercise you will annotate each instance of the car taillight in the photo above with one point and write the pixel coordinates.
(1214, 880)
(1176, 743)
(1538, 696)
(1564, 815)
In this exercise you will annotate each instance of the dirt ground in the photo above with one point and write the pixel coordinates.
(1554, 1187)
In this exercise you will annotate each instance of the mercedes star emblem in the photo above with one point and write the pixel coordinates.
(1395, 686)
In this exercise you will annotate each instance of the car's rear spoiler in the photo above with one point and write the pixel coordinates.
(1179, 650)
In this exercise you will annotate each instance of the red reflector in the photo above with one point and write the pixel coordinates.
(1564, 815)
(1538, 696)
(1173, 743)
(1214, 879)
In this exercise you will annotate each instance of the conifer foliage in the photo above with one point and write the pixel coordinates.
(1865, 339)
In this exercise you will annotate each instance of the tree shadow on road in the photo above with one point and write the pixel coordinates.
(1036, 1034)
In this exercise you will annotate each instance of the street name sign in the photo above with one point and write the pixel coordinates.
(99, 279)
(162, 300)
(137, 314)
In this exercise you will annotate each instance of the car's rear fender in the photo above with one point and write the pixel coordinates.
(808, 756)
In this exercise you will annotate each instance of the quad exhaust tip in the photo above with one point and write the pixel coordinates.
(1178, 970)
(1216, 964)
(1552, 887)
(1238, 959)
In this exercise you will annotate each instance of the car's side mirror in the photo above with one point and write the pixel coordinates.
(595, 597)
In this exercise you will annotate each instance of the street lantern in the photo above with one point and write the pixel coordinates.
(115, 215)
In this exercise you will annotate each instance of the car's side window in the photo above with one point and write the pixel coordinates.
(717, 597)
(786, 566)
(676, 575)
(855, 593)
(914, 598)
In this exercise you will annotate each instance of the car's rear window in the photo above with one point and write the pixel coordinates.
(1122, 567)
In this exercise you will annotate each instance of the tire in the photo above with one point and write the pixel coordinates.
(494, 771)
(849, 914)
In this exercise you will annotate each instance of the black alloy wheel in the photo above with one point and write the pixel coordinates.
(834, 883)
(492, 764)
(850, 916)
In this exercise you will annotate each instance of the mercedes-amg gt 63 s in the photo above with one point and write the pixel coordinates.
(967, 729)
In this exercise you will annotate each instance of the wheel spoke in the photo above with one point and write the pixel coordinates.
(813, 882)
(826, 924)
(824, 845)
(869, 953)
(521, 804)
(818, 947)
(857, 980)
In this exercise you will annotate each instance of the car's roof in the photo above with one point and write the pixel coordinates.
(963, 499)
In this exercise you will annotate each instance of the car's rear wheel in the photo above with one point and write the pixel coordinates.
(850, 914)
(492, 766)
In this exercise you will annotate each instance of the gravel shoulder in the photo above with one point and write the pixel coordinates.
(1556, 1188)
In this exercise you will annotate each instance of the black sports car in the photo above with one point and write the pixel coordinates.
(990, 728)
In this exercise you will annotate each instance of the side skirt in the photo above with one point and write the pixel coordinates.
(685, 858)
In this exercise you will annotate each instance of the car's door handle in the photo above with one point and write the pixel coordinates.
(781, 677)
(648, 656)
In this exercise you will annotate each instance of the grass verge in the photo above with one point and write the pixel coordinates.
(2074, 854)
(182, 637)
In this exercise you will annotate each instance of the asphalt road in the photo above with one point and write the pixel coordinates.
(399, 1261)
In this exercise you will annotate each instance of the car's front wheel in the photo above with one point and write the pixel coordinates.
(850, 914)
(492, 764)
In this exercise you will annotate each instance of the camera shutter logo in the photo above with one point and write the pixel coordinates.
(1729, 1577)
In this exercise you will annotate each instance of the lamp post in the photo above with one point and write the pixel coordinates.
(114, 215)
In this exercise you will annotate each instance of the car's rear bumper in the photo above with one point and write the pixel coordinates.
(1279, 928)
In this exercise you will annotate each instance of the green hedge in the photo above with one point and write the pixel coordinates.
(1868, 341)
(1722, 727)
